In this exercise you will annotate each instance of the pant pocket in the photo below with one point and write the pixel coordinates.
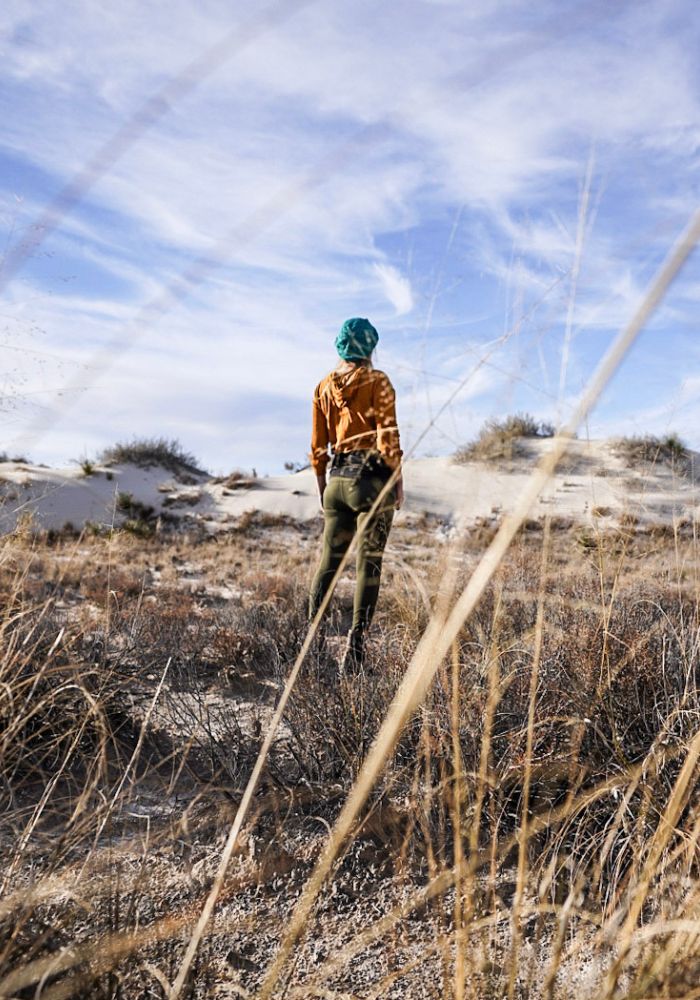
(364, 492)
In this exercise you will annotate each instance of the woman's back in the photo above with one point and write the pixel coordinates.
(354, 409)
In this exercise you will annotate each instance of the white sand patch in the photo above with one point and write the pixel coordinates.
(592, 484)
(55, 497)
(292, 496)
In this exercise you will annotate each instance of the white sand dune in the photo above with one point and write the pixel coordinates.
(52, 498)
(592, 483)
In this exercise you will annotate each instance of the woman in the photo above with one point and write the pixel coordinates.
(354, 412)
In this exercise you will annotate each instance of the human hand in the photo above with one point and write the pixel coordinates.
(321, 483)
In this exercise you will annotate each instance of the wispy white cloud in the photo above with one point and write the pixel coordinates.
(396, 287)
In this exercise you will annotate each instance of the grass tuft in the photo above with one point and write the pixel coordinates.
(502, 439)
(648, 448)
(147, 452)
(87, 467)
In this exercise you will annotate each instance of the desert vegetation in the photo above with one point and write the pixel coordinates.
(503, 438)
(534, 832)
(668, 449)
(147, 452)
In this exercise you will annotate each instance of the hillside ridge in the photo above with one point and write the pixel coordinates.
(592, 483)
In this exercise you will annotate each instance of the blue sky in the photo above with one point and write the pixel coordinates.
(492, 183)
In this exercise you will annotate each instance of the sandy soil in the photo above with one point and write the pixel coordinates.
(592, 483)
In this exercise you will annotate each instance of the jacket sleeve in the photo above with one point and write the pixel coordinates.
(319, 437)
(384, 405)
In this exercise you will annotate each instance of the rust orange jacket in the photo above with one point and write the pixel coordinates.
(354, 409)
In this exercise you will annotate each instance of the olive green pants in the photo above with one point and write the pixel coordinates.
(346, 503)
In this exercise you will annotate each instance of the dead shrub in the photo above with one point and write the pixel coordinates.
(650, 449)
(503, 439)
(147, 452)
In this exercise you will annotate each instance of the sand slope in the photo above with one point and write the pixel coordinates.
(591, 483)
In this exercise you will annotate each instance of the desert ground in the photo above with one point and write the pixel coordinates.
(593, 483)
(534, 832)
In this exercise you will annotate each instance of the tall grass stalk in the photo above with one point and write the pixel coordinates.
(527, 769)
(460, 941)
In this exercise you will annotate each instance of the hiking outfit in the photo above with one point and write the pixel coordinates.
(354, 414)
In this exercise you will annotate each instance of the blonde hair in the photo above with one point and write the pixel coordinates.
(360, 363)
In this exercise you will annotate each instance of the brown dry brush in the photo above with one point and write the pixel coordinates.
(53, 703)
(68, 742)
(616, 707)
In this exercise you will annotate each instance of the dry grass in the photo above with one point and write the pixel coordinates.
(650, 449)
(503, 439)
(116, 800)
(147, 452)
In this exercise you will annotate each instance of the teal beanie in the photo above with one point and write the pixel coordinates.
(356, 340)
